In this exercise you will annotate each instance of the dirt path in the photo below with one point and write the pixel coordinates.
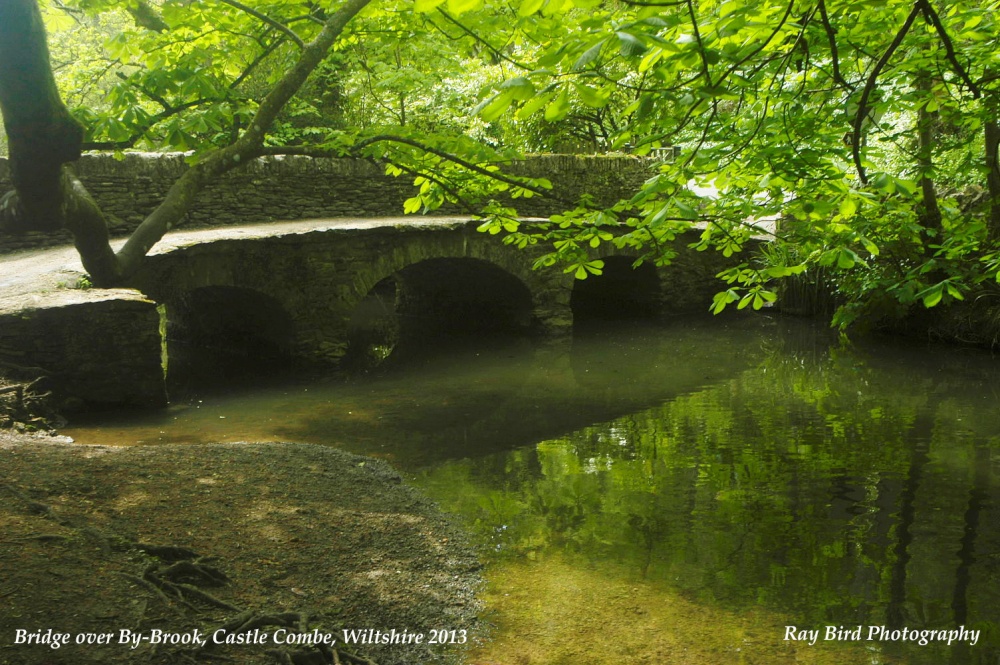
(271, 537)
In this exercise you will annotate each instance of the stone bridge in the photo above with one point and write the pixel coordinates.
(306, 290)
(313, 290)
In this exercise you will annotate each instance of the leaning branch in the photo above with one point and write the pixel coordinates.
(249, 146)
(277, 25)
(831, 36)
(859, 119)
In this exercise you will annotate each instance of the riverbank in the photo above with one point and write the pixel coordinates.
(265, 538)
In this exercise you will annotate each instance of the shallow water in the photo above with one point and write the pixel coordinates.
(681, 494)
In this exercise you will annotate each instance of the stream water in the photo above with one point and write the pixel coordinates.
(680, 494)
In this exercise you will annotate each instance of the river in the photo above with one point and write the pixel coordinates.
(698, 492)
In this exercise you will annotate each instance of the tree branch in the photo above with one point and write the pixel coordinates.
(831, 36)
(42, 136)
(493, 49)
(949, 48)
(146, 16)
(462, 201)
(870, 86)
(249, 146)
(701, 45)
(153, 121)
(452, 158)
(774, 33)
(277, 25)
(271, 48)
(317, 151)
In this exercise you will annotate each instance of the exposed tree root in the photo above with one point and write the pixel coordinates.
(155, 590)
(181, 577)
(25, 403)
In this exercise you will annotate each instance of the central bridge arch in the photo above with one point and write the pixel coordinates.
(438, 301)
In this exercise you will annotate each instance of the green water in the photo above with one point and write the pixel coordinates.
(681, 494)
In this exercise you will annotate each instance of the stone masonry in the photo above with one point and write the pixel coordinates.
(284, 188)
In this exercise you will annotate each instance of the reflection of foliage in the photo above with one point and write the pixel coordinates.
(779, 487)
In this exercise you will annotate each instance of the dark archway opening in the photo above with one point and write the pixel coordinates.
(218, 335)
(435, 305)
(621, 292)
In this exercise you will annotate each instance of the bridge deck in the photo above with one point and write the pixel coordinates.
(35, 276)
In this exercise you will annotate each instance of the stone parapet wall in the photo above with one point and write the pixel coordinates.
(282, 188)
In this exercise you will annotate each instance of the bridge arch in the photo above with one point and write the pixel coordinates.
(439, 300)
(620, 292)
(228, 330)
(316, 280)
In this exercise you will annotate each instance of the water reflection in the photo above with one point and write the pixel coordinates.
(833, 488)
(682, 495)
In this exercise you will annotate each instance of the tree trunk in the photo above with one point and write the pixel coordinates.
(992, 140)
(41, 133)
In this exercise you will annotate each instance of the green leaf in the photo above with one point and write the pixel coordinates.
(462, 6)
(848, 207)
(519, 88)
(559, 108)
(723, 298)
(412, 205)
(845, 260)
(933, 295)
(495, 108)
(529, 7)
(884, 183)
(590, 55)
(533, 105)
(591, 96)
(630, 44)
(424, 6)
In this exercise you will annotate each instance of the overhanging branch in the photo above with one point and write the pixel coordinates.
(863, 109)
(277, 25)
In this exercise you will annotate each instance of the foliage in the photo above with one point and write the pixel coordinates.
(860, 137)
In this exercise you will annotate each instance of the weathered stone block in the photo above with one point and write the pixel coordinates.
(100, 346)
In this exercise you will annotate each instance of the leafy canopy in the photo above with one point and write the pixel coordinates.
(859, 137)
